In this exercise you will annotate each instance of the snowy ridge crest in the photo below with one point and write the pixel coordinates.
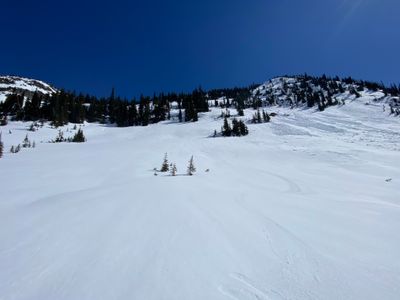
(307, 91)
(21, 85)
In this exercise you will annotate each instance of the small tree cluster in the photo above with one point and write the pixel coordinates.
(238, 128)
(78, 137)
(260, 117)
(34, 126)
(59, 138)
(172, 169)
(15, 149)
(225, 114)
(26, 143)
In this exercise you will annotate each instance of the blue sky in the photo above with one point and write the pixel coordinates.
(152, 46)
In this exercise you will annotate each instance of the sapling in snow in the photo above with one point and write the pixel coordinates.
(191, 168)
(173, 170)
(165, 164)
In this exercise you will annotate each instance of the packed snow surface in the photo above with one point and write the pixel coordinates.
(304, 207)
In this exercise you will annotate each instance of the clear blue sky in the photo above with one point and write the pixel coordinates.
(151, 46)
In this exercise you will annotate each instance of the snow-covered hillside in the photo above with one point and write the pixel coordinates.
(20, 85)
(304, 207)
(304, 91)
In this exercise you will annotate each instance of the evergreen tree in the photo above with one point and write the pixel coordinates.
(243, 128)
(173, 170)
(180, 115)
(235, 128)
(60, 137)
(1, 147)
(79, 137)
(165, 164)
(226, 128)
(26, 143)
(266, 117)
(215, 133)
(191, 168)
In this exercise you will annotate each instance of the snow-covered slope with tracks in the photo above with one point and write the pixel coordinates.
(304, 207)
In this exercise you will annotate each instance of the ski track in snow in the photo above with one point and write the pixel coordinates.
(305, 207)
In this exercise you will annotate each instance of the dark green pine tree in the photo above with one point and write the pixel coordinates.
(235, 128)
(165, 164)
(79, 137)
(26, 143)
(191, 168)
(266, 117)
(191, 112)
(1, 147)
(180, 115)
(243, 128)
(226, 128)
(195, 115)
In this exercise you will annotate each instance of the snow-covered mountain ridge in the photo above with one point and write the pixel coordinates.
(305, 91)
(21, 85)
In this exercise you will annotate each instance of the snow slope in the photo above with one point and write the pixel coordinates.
(305, 207)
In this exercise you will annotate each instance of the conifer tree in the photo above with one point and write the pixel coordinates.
(235, 128)
(79, 137)
(226, 129)
(215, 133)
(12, 150)
(165, 164)
(180, 115)
(26, 143)
(191, 168)
(1, 147)
(173, 170)
(266, 117)
(243, 128)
